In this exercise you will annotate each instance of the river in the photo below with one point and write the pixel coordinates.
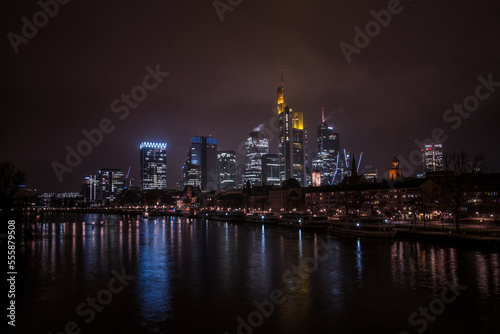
(96, 273)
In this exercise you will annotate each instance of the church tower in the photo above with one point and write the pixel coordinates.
(395, 172)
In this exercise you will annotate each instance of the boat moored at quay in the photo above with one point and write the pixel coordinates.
(235, 217)
(262, 218)
(304, 221)
(363, 226)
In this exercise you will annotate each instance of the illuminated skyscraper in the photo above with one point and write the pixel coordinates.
(203, 153)
(271, 169)
(316, 178)
(344, 165)
(284, 132)
(327, 161)
(291, 142)
(191, 175)
(433, 157)
(110, 185)
(240, 173)
(226, 165)
(308, 174)
(153, 165)
(255, 147)
(91, 189)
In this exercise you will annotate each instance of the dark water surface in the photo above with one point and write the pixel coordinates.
(194, 276)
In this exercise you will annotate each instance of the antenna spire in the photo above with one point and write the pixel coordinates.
(282, 78)
(323, 115)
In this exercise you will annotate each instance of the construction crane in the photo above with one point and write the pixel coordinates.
(128, 173)
(336, 168)
(359, 162)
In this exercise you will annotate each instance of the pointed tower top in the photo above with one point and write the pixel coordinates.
(281, 101)
(323, 115)
(353, 166)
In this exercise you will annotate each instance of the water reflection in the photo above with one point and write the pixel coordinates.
(413, 264)
(300, 243)
(153, 272)
(359, 263)
(217, 270)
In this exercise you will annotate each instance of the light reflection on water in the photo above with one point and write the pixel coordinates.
(217, 270)
(359, 263)
(153, 274)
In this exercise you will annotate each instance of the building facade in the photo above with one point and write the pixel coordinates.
(90, 189)
(226, 166)
(271, 169)
(432, 155)
(153, 165)
(292, 141)
(203, 153)
(316, 178)
(327, 161)
(255, 147)
(111, 183)
(191, 175)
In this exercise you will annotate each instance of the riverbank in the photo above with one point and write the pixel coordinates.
(118, 211)
(469, 235)
(475, 238)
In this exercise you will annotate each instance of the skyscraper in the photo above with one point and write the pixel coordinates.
(284, 135)
(308, 181)
(153, 165)
(328, 152)
(344, 165)
(433, 157)
(91, 189)
(191, 175)
(316, 178)
(203, 153)
(291, 141)
(271, 169)
(110, 185)
(226, 165)
(255, 147)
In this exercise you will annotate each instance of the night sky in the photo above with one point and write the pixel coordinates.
(224, 74)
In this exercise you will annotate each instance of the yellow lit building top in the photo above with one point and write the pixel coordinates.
(298, 120)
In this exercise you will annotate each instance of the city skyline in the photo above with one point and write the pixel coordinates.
(324, 129)
(419, 168)
(267, 166)
(203, 76)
